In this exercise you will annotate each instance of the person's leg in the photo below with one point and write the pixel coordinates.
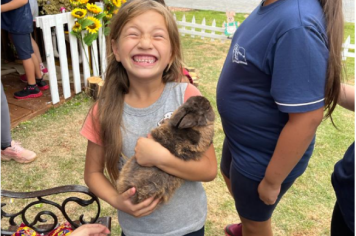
(5, 122)
(29, 67)
(36, 50)
(256, 228)
(11, 150)
(255, 215)
(24, 50)
(338, 224)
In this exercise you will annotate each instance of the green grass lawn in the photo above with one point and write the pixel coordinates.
(305, 209)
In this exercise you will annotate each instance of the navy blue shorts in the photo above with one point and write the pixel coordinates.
(247, 201)
(200, 232)
(23, 45)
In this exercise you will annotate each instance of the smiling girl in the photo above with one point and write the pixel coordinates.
(139, 92)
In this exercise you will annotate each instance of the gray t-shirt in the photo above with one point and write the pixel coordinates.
(187, 209)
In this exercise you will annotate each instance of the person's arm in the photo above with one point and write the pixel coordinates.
(91, 230)
(14, 4)
(97, 182)
(347, 97)
(151, 153)
(293, 141)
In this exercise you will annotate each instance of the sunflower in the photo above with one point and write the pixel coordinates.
(107, 15)
(77, 27)
(117, 3)
(93, 8)
(83, 1)
(94, 27)
(79, 13)
(115, 11)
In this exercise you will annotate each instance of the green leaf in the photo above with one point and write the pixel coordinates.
(76, 34)
(107, 22)
(89, 38)
(106, 31)
(85, 22)
(100, 16)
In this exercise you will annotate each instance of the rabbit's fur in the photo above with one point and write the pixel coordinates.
(187, 135)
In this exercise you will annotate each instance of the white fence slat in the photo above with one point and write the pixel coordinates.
(206, 27)
(183, 21)
(203, 25)
(85, 59)
(193, 29)
(102, 53)
(45, 23)
(62, 55)
(94, 58)
(102, 45)
(74, 55)
(213, 32)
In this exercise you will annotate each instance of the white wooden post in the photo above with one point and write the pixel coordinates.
(213, 32)
(203, 30)
(102, 45)
(193, 29)
(62, 55)
(74, 55)
(85, 56)
(94, 58)
(102, 52)
(183, 20)
(45, 23)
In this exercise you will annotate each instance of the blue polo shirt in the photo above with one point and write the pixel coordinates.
(17, 21)
(276, 65)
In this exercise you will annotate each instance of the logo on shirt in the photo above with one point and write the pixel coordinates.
(166, 117)
(239, 55)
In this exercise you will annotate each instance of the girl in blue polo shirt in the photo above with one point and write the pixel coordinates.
(282, 71)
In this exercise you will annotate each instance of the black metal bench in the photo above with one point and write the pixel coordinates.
(45, 220)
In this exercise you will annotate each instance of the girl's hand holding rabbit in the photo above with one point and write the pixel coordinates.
(142, 209)
(150, 153)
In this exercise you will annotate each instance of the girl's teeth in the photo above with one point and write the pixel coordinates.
(144, 60)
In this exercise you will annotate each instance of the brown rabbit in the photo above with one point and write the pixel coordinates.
(187, 135)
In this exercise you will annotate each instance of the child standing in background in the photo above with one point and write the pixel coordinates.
(282, 71)
(139, 92)
(16, 18)
(34, 12)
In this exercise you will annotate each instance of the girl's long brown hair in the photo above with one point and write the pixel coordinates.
(111, 99)
(335, 32)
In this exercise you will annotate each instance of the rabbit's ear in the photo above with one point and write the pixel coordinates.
(177, 117)
(187, 121)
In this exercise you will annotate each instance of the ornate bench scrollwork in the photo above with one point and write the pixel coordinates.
(40, 219)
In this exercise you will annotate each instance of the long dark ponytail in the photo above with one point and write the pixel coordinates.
(335, 32)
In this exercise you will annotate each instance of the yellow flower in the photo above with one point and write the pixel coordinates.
(117, 3)
(74, 3)
(107, 15)
(93, 28)
(79, 13)
(77, 27)
(93, 8)
(83, 1)
(123, 1)
(115, 11)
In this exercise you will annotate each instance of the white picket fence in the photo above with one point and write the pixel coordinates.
(59, 21)
(347, 46)
(215, 32)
